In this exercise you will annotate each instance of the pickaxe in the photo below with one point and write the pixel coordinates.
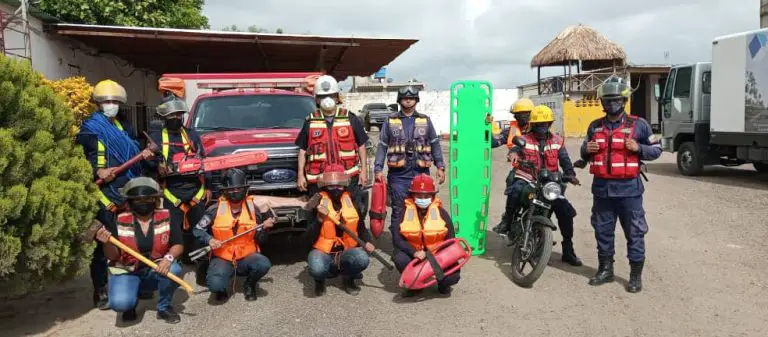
(151, 145)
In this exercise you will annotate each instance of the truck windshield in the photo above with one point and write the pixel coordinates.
(252, 112)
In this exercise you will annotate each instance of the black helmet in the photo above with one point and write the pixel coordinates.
(234, 178)
(408, 92)
(140, 187)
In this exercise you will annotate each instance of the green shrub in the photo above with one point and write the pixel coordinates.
(47, 197)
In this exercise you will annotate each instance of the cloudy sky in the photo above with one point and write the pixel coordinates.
(495, 40)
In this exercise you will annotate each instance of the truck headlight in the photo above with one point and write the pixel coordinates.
(551, 190)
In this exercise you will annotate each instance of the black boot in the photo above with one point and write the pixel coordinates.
(130, 315)
(503, 227)
(635, 277)
(350, 287)
(444, 289)
(100, 299)
(604, 272)
(319, 288)
(221, 296)
(569, 256)
(250, 289)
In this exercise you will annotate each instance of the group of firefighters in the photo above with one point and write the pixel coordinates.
(166, 217)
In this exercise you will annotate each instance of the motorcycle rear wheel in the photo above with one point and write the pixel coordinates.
(542, 240)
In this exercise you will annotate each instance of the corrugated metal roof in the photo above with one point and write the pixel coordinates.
(165, 50)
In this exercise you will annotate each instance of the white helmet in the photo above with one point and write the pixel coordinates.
(326, 85)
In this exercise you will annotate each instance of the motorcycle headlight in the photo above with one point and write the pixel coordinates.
(551, 190)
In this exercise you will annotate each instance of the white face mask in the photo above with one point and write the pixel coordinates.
(110, 109)
(423, 203)
(327, 103)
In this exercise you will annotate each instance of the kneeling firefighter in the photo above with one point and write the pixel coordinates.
(426, 224)
(235, 213)
(546, 151)
(335, 251)
(184, 195)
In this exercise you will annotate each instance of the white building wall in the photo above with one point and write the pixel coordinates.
(433, 103)
(56, 58)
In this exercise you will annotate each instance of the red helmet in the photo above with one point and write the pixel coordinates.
(423, 184)
(333, 175)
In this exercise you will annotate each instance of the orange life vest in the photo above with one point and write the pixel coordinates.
(328, 239)
(338, 146)
(126, 233)
(514, 130)
(429, 232)
(613, 160)
(532, 153)
(226, 226)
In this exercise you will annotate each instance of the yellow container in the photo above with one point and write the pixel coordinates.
(579, 113)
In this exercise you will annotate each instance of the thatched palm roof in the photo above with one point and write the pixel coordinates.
(580, 43)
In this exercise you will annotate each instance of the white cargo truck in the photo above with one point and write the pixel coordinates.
(716, 113)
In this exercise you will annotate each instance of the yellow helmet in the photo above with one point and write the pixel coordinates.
(108, 90)
(522, 105)
(542, 114)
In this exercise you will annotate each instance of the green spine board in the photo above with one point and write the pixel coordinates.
(469, 168)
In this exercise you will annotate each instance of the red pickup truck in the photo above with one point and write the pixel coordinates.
(260, 111)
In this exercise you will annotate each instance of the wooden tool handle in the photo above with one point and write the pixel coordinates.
(150, 263)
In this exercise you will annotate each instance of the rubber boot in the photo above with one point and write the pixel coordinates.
(100, 299)
(635, 277)
(604, 272)
(350, 287)
(503, 227)
(569, 256)
(319, 288)
(444, 289)
(249, 289)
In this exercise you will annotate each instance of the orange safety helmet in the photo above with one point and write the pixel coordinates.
(423, 184)
(333, 175)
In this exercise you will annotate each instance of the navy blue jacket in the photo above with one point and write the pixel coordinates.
(411, 169)
(399, 241)
(650, 149)
(183, 187)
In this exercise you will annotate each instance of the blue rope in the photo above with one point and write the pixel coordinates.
(120, 146)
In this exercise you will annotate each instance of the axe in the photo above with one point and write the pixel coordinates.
(151, 145)
(90, 235)
(324, 211)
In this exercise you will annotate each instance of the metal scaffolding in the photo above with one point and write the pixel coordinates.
(17, 22)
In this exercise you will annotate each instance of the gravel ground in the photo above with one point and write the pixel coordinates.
(705, 276)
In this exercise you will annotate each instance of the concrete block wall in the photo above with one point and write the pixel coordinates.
(436, 104)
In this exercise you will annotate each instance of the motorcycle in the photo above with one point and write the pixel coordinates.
(531, 220)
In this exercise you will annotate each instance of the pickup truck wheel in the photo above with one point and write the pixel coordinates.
(688, 160)
(761, 167)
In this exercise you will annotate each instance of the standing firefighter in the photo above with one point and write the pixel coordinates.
(147, 230)
(331, 135)
(184, 195)
(107, 144)
(235, 213)
(614, 147)
(334, 251)
(410, 146)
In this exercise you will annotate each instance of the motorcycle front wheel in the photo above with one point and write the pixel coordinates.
(540, 239)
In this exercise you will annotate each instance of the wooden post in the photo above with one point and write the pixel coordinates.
(538, 79)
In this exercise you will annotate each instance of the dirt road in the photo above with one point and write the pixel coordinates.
(705, 275)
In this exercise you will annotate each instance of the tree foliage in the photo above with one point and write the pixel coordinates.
(47, 197)
(76, 93)
(251, 29)
(753, 96)
(142, 13)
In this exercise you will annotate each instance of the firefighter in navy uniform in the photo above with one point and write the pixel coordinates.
(332, 135)
(235, 212)
(410, 146)
(543, 144)
(148, 230)
(614, 147)
(107, 144)
(184, 196)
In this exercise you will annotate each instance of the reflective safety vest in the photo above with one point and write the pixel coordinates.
(328, 240)
(428, 232)
(337, 146)
(532, 153)
(226, 226)
(613, 160)
(189, 149)
(399, 147)
(102, 162)
(127, 226)
(514, 130)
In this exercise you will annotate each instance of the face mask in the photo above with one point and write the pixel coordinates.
(173, 124)
(335, 193)
(327, 103)
(110, 109)
(143, 208)
(613, 107)
(522, 120)
(236, 195)
(540, 129)
(423, 203)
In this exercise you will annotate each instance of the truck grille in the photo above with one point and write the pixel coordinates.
(285, 158)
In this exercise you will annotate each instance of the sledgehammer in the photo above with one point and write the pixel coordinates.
(151, 145)
(90, 235)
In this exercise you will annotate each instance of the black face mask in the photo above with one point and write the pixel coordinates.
(522, 119)
(173, 124)
(143, 208)
(236, 195)
(335, 193)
